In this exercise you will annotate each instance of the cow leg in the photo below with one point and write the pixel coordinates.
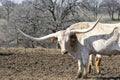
(79, 73)
(84, 76)
(97, 63)
(85, 57)
(90, 64)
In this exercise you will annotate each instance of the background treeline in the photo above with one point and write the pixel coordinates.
(41, 17)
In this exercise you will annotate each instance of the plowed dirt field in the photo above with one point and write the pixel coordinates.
(49, 64)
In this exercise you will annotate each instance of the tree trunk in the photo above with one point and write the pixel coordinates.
(8, 14)
(112, 15)
(118, 15)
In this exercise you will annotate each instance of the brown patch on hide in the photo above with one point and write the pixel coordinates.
(54, 39)
(73, 42)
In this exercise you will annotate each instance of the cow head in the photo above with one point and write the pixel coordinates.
(67, 39)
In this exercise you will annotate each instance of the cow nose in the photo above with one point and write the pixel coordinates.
(65, 52)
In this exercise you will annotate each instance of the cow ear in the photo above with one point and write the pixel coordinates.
(54, 39)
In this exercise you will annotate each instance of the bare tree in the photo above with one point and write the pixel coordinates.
(8, 6)
(46, 16)
(26, 18)
(111, 6)
(118, 9)
(57, 11)
(41, 17)
(95, 7)
(91, 6)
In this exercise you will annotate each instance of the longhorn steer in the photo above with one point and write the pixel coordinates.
(100, 29)
(102, 44)
(79, 43)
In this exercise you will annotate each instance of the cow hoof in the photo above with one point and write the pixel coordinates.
(98, 73)
(78, 76)
(84, 77)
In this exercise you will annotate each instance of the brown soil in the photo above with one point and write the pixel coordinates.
(49, 64)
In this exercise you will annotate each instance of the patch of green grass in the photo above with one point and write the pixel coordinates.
(115, 20)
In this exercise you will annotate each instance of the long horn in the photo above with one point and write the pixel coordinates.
(38, 39)
(86, 30)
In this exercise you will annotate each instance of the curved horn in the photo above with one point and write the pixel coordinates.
(38, 39)
(88, 29)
